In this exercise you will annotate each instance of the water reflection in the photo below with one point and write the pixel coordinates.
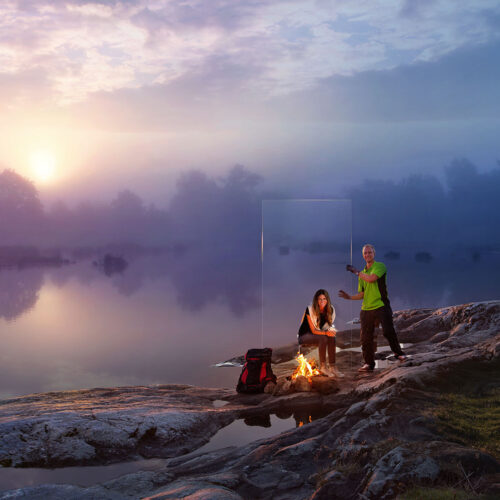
(202, 277)
(303, 416)
(207, 275)
(73, 327)
(19, 291)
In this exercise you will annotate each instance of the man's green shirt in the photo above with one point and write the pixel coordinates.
(374, 293)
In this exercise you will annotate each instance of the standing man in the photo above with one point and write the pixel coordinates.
(372, 288)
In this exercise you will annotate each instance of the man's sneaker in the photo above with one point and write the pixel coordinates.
(336, 372)
(365, 368)
(402, 357)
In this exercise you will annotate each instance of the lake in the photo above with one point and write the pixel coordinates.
(169, 318)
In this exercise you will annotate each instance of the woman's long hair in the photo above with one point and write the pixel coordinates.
(328, 308)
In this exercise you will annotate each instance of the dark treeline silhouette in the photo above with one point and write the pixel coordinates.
(21, 212)
(202, 210)
(126, 219)
(420, 212)
(417, 211)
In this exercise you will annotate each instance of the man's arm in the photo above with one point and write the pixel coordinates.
(369, 278)
(346, 296)
(377, 271)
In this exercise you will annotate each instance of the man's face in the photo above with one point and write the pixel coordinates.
(368, 255)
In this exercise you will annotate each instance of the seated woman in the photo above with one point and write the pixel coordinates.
(317, 328)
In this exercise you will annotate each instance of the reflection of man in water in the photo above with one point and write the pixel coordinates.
(372, 288)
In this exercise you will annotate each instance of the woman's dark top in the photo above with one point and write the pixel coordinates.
(304, 325)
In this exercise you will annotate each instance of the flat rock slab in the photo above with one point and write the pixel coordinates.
(105, 425)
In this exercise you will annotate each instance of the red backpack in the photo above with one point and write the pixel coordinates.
(257, 371)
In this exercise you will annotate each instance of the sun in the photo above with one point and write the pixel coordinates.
(43, 165)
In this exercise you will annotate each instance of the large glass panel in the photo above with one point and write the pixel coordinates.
(306, 245)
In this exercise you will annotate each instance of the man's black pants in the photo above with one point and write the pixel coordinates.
(368, 320)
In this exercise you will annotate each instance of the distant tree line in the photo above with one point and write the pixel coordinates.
(464, 211)
(219, 211)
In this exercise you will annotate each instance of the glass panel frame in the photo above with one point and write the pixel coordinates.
(305, 246)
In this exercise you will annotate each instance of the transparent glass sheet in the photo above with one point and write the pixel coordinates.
(306, 245)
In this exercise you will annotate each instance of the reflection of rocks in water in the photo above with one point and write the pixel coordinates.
(301, 416)
(29, 256)
(206, 276)
(258, 420)
(19, 291)
(129, 283)
(305, 416)
(111, 264)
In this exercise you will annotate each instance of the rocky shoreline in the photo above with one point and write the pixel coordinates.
(381, 437)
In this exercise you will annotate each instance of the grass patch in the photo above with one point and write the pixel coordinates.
(468, 411)
(440, 494)
(433, 494)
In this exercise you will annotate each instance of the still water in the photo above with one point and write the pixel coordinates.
(238, 433)
(168, 319)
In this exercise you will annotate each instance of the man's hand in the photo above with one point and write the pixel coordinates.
(344, 295)
(331, 333)
(352, 269)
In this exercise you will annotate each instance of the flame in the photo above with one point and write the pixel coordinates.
(306, 368)
(302, 422)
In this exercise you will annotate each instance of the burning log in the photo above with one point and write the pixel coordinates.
(305, 369)
(325, 385)
(283, 386)
(302, 384)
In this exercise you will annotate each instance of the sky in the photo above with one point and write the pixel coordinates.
(313, 95)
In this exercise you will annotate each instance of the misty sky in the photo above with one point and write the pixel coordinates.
(315, 96)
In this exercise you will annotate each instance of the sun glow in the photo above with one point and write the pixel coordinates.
(43, 166)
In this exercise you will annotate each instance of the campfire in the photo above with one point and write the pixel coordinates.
(306, 368)
(305, 378)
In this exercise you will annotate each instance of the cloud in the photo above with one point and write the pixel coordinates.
(460, 86)
(218, 96)
(87, 47)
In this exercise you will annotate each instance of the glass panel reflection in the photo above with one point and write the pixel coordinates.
(306, 245)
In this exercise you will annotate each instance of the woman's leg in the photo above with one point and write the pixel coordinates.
(319, 340)
(332, 345)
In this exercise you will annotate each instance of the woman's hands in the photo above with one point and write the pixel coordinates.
(328, 333)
